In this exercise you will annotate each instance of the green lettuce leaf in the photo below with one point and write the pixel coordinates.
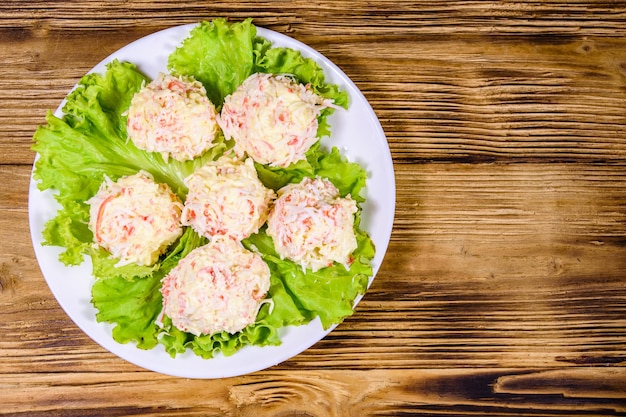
(276, 60)
(133, 301)
(132, 304)
(218, 54)
(348, 177)
(329, 293)
(105, 266)
(297, 296)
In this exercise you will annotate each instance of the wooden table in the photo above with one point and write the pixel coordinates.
(503, 291)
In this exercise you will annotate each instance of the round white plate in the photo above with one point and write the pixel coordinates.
(356, 132)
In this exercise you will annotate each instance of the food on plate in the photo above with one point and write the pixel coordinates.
(135, 218)
(86, 142)
(272, 118)
(216, 287)
(172, 115)
(226, 198)
(312, 225)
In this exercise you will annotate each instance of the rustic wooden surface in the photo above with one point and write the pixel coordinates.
(503, 291)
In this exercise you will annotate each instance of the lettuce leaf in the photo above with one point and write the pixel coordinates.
(298, 296)
(77, 150)
(133, 304)
(328, 293)
(134, 301)
(274, 60)
(348, 177)
(217, 54)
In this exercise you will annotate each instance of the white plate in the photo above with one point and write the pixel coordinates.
(356, 132)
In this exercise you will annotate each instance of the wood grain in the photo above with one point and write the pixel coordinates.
(503, 291)
(329, 393)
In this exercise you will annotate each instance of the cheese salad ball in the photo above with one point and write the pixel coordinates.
(312, 225)
(135, 219)
(272, 119)
(173, 116)
(226, 198)
(216, 287)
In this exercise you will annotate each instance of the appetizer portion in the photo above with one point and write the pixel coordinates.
(226, 198)
(117, 123)
(312, 225)
(218, 287)
(135, 218)
(173, 116)
(272, 119)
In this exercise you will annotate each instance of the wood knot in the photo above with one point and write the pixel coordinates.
(556, 266)
(8, 279)
(587, 47)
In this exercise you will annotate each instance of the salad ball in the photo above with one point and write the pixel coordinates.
(135, 218)
(226, 198)
(217, 287)
(312, 225)
(172, 115)
(272, 119)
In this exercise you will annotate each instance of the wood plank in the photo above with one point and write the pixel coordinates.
(579, 392)
(400, 17)
(513, 99)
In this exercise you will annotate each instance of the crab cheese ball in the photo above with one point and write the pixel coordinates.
(226, 198)
(216, 287)
(312, 225)
(272, 119)
(135, 218)
(173, 116)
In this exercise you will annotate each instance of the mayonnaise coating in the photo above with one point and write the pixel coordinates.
(272, 119)
(216, 287)
(226, 198)
(173, 116)
(312, 225)
(135, 218)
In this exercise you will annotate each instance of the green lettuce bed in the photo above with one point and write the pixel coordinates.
(89, 141)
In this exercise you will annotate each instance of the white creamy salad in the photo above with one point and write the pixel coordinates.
(172, 116)
(226, 198)
(135, 218)
(272, 119)
(312, 225)
(216, 287)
